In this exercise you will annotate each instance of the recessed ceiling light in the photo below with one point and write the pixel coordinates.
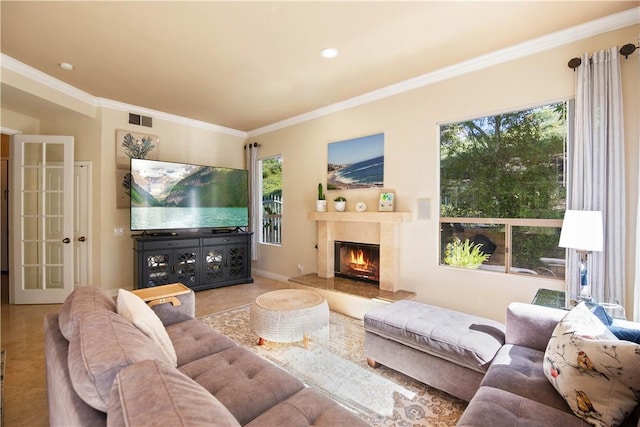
(330, 52)
(66, 66)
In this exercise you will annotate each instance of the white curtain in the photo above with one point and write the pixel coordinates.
(596, 162)
(251, 153)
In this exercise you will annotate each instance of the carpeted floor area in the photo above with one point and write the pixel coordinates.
(338, 368)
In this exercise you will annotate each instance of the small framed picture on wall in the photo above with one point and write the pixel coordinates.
(387, 201)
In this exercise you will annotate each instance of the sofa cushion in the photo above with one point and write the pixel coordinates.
(134, 309)
(493, 407)
(193, 340)
(307, 408)
(104, 344)
(463, 339)
(245, 383)
(85, 299)
(155, 394)
(518, 370)
(592, 370)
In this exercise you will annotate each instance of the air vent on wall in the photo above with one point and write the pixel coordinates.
(140, 120)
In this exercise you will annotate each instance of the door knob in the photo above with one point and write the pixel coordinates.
(66, 240)
(81, 239)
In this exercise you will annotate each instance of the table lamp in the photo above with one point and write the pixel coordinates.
(582, 231)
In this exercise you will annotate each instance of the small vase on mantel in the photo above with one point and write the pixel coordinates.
(340, 203)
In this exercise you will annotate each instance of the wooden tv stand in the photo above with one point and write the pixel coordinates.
(199, 261)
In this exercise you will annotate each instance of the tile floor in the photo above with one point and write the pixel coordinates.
(25, 396)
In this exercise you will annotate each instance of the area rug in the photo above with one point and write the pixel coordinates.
(337, 367)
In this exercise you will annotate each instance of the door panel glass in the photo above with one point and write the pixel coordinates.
(54, 253)
(32, 209)
(54, 203)
(31, 181)
(33, 154)
(54, 153)
(54, 228)
(31, 228)
(30, 203)
(54, 277)
(54, 181)
(32, 278)
(32, 254)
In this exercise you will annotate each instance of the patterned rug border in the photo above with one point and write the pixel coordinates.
(429, 407)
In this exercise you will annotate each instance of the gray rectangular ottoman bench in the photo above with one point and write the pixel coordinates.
(445, 349)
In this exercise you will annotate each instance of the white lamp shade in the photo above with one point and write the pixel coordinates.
(582, 230)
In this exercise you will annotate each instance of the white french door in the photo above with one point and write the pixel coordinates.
(42, 186)
(81, 223)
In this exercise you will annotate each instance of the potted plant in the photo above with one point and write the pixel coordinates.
(340, 203)
(464, 254)
(321, 203)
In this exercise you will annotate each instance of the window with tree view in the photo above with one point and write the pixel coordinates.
(271, 200)
(502, 191)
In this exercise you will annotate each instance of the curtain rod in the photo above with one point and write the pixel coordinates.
(625, 51)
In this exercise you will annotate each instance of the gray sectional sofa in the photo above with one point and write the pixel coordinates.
(102, 370)
(497, 368)
(515, 390)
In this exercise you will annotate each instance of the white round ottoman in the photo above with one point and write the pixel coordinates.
(290, 315)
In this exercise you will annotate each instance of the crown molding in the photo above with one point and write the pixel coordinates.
(9, 131)
(116, 105)
(540, 44)
(38, 76)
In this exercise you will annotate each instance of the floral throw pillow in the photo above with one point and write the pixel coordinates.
(597, 374)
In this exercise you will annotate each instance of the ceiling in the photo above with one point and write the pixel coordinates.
(245, 65)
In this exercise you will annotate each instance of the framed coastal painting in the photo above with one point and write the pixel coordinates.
(356, 163)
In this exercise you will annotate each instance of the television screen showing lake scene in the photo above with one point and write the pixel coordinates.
(176, 195)
(356, 163)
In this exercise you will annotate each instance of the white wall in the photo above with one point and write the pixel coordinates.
(410, 124)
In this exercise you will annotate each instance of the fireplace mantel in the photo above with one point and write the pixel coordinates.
(360, 216)
(381, 228)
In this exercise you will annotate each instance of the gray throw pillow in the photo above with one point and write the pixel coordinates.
(85, 299)
(104, 344)
(155, 394)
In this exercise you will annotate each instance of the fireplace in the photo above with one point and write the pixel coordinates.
(359, 261)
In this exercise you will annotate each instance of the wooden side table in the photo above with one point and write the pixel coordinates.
(162, 294)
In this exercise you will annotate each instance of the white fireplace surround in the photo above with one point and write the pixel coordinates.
(380, 228)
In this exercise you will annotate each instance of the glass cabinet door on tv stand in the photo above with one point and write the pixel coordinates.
(165, 261)
(225, 258)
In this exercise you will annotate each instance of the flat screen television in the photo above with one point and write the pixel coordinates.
(176, 196)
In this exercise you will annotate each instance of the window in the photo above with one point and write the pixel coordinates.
(502, 186)
(271, 168)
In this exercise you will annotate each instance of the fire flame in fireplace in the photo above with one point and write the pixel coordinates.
(358, 261)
